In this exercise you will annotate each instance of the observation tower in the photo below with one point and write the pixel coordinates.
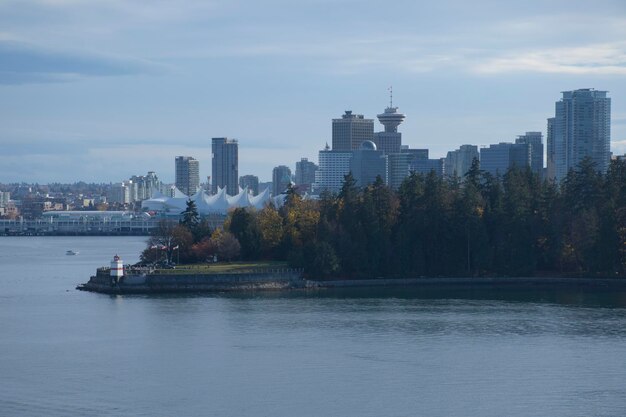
(391, 119)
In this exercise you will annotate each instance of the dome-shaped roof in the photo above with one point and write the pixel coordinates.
(368, 145)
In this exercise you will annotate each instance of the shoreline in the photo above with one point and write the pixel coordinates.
(288, 280)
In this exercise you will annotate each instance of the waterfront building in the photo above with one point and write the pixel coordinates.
(388, 142)
(499, 158)
(367, 163)
(580, 128)
(305, 174)
(459, 161)
(281, 178)
(219, 203)
(425, 166)
(225, 165)
(349, 131)
(535, 141)
(333, 167)
(187, 174)
(251, 182)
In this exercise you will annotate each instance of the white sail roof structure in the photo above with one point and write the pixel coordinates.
(219, 203)
(261, 200)
(178, 193)
(240, 200)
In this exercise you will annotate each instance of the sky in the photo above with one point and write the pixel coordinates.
(100, 90)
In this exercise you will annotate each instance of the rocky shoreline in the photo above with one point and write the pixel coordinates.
(293, 279)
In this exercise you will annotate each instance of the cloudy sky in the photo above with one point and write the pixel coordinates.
(99, 90)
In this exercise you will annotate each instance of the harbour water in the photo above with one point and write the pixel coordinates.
(358, 352)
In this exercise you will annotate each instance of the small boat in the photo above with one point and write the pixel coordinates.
(71, 252)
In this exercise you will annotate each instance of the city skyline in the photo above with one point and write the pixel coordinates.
(97, 91)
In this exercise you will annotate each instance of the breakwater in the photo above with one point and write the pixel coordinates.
(155, 282)
(476, 282)
(289, 279)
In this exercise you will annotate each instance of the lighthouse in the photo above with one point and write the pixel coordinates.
(117, 269)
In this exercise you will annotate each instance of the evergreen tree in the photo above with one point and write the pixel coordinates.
(191, 218)
(245, 227)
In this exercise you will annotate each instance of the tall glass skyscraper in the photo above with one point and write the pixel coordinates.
(581, 127)
(535, 141)
(225, 165)
(187, 174)
(305, 173)
(250, 181)
(281, 178)
(459, 161)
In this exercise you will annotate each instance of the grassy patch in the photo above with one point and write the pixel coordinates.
(223, 268)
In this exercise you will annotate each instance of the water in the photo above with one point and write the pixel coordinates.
(330, 353)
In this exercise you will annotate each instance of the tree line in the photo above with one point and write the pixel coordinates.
(479, 225)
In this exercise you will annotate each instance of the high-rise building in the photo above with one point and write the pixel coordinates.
(398, 168)
(333, 166)
(459, 161)
(5, 197)
(368, 163)
(225, 165)
(425, 166)
(264, 186)
(389, 141)
(535, 141)
(351, 130)
(281, 178)
(550, 150)
(415, 153)
(119, 193)
(499, 158)
(305, 174)
(187, 175)
(250, 181)
(144, 186)
(581, 128)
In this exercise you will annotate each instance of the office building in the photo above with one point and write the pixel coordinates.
(119, 193)
(305, 174)
(333, 167)
(187, 175)
(580, 128)
(459, 161)
(225, 165)
(388, 142)
(415, 153)
(281, 178)
(499, 158)
(250, 181)
(350, 131)
(425, 166)
(535, 141)
(265, 186)
(367, 163)
(398, 168)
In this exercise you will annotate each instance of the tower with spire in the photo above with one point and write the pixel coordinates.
(390, 140)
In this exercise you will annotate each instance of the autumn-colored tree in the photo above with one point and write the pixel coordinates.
(271, 228)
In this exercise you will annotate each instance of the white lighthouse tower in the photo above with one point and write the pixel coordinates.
(117, 268)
